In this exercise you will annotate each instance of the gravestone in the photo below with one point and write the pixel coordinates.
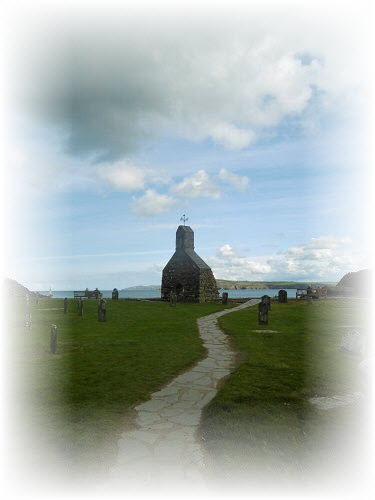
(282, 296)
(80, 307)
(266, 299)
(353, 343)
(115, 294)
(173, 299)
(224, 298)
(65, 305)
(28, 320)
(53, 343)
(27, 313)
(102, 310)
(263, 313)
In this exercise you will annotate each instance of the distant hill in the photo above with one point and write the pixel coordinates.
(241, 285)
(14, 289)
(142, 287)
(359, 282)
(244, 285)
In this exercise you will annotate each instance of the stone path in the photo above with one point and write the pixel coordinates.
(327, 403)
(164, 448)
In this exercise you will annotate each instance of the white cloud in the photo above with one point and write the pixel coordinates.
(321, 258)
(328, 242)
(123, 175)
(237, 181)
(226, 251)
(223, 78)
(229, 265)
(325, 258)
(199, 185)
(152, 203)
(230, 136)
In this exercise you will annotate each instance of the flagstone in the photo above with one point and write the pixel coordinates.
(165, 445)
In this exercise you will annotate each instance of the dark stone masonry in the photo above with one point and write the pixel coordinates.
(186, 273)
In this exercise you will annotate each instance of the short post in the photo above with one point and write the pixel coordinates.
(266, 299)
(27, 313)
(173, 299)
(102, 310)
(224, 298)
(80, 307)
(28, 320)
(263, 313)
(65, 305)
(53, 344)
(283, 297)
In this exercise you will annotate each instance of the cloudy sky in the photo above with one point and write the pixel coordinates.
(252, 120)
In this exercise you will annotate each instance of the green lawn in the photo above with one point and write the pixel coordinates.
(261, 422)
(80, 397)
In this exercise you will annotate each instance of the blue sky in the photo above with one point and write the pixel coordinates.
(255, 129)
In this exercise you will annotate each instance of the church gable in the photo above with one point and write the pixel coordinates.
(186, 273)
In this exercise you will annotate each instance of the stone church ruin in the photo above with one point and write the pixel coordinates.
(186, 273)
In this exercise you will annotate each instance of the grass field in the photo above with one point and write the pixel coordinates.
(261, 423)
(79, 398)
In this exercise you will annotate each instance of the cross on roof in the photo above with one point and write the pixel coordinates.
(184, 218)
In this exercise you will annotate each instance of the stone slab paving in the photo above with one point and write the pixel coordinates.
(327, 403)
(164, 448)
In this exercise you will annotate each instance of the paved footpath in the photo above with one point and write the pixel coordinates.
(164, 447)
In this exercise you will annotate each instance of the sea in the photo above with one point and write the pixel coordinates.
(154, 294)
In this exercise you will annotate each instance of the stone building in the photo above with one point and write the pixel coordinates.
(186, 273)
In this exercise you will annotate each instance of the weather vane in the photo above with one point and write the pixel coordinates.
(184, 218)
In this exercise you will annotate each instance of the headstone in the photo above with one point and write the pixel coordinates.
(27, 313)
(173, 298)
(263, 313)
(283, 296)
(224, 298)
(80, 307)
(65, 305)
(115, 294)
(28, 320)
(353, 343)
(102, 310)
(53, 343)
(266, 299)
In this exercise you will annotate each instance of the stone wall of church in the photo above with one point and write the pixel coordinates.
(207, 286)
(180, 275)
(190, 283)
